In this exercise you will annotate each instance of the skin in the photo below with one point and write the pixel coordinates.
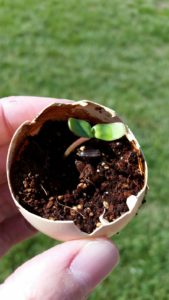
(70, 270)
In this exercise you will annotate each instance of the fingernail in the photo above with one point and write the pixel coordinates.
(96, 260)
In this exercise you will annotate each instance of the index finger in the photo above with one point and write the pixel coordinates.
(15, 110)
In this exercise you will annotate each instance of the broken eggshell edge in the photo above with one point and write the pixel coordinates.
(92, 112)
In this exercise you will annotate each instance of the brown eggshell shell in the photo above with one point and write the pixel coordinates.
(94, 113)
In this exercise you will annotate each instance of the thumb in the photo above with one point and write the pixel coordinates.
(68, 271)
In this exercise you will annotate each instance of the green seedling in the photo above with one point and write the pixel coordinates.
(83, 129)
(105, 132)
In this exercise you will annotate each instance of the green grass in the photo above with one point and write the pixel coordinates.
(117, 53)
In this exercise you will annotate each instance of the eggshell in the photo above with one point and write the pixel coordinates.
(92, 112)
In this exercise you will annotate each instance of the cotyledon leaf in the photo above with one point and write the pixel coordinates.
(109, 132)
(80, 127)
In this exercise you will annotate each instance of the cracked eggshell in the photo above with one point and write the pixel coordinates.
(92, 112)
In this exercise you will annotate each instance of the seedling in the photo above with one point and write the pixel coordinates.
(83, 129)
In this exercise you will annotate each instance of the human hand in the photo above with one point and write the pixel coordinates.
(67, 271)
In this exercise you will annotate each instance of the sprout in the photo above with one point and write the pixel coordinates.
(83, 129)
(105, 132)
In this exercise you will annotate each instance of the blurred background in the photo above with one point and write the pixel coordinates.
(116, 53)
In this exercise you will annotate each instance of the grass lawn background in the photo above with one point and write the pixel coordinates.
(117, 53)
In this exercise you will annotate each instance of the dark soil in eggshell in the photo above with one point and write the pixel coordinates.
(97, 177)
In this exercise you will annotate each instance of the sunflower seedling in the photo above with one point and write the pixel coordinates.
(106, 132)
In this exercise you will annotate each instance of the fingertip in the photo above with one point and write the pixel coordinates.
(15, 110)
(67, 271)
(94, 262)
